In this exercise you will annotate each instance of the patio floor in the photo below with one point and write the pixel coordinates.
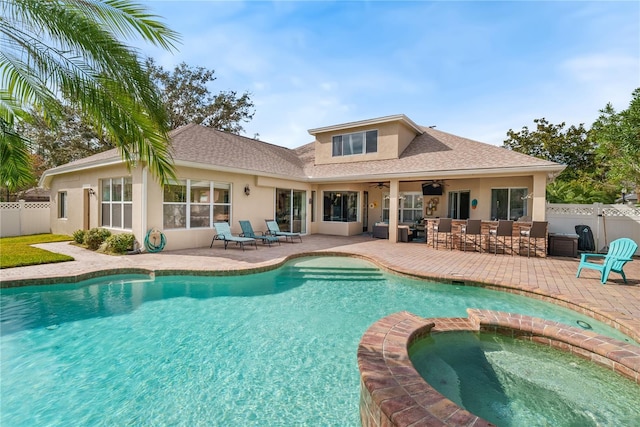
(552, 279)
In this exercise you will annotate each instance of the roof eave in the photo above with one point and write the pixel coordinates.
(230, 169)
(450, 174)
(369, 122)
(47, 175)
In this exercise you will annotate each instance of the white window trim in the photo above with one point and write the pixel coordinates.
(63, 205)
(401, 208)
(112, 202)
(364, 143)
(188, 203)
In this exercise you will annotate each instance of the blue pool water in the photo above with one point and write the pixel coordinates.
(275, 348)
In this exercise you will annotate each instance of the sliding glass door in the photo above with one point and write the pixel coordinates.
(291, 212)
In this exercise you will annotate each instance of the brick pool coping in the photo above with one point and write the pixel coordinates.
(392, 392)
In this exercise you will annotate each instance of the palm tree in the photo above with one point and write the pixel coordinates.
(68, 53)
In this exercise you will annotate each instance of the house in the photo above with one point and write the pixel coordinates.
(350, 177)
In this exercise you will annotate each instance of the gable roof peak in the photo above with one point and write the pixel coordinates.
(368, 122)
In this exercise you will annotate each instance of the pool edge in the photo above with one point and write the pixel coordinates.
(393, 393)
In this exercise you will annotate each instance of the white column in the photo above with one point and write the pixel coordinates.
(539, 208)
(394, 186)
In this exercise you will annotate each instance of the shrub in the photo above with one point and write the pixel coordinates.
(120, 243)
(95, 237)
(78, 236)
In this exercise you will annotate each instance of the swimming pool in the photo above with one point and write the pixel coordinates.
(275, 348)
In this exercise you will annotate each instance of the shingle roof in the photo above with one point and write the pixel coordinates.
(199, 144)
(432, 152)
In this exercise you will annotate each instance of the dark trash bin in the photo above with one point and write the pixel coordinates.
(585, 239)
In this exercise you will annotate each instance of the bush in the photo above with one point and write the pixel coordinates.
(78, 236)
(95, 237)
(120, 243)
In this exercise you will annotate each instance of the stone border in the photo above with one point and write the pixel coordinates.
(392, 392)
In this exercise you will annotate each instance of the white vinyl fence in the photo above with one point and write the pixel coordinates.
(607, 222)
(23, 218)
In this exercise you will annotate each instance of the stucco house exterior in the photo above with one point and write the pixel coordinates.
(349, 177)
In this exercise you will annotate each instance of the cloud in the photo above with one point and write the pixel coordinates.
(472, 69)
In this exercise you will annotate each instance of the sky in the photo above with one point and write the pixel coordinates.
(471, 68)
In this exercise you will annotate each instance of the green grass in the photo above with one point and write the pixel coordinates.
(16, 252)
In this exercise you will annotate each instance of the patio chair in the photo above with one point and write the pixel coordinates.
(620, 252)
(274, 230)
(247, 231)
(504, 230)
(473, 228)
(443, 226)
(530, 236)
(223, 232)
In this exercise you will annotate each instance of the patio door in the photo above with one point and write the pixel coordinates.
(291, 212)
(459, 202)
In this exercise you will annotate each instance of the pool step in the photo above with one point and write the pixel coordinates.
(335, 273)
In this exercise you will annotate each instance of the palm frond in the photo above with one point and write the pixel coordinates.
(69, 50)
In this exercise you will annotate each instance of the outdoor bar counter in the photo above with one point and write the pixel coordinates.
(456, 230)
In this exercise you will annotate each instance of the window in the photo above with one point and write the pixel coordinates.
(117, 203)
(340, 206)
(174, 206)
(459, 203)
(62, 204)
(409, 207)
(355, 143)
(508, 203)
(189, 204)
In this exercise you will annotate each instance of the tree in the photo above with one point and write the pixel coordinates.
(188, 100)
(577, 192)
(570, 147)
(15, 160)
(68, 53)
(72, 139)
(618, 139)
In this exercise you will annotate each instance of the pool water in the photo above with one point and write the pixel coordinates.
(274, 348)
(512, 382)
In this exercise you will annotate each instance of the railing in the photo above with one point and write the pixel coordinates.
(23, 218)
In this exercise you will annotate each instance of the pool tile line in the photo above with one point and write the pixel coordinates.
(393, 393)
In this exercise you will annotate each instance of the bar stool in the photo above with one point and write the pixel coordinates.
(472, 228)
(504, 230)
(443, 226)
(538, 230)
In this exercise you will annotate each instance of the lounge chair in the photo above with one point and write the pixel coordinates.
(274, 230)
(620, 252)
(223, 232)
(247, 231)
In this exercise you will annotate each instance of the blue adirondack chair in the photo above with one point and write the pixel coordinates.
(620, 252)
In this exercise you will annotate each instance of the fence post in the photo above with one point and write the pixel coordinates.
(20, 213)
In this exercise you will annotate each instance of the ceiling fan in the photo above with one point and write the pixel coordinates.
(380, 185)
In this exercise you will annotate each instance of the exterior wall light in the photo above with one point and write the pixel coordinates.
(247, 190)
